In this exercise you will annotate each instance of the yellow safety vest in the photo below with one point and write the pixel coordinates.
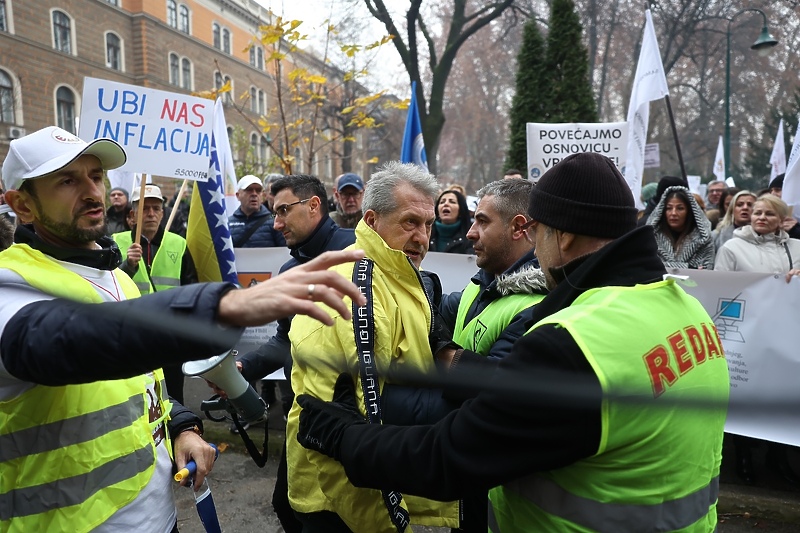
(71, 456)
(657, 466)
(165, 272)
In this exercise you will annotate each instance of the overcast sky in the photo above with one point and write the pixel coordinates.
(385, 73)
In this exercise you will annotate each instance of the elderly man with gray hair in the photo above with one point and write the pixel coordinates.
(394, 332)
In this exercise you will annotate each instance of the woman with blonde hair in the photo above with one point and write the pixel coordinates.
(736, 216)
(762, 246)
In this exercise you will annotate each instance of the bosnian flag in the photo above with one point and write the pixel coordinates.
(207, 234)
(413, 150)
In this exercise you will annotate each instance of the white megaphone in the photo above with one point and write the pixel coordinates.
(222, 371)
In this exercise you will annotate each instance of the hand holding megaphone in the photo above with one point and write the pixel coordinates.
(223, 372)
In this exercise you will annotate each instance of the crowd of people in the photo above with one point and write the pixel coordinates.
(404, 405)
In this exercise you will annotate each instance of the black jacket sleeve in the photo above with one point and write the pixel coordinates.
(270, 356)
(448, 308)
(510, 430)
(188, 270)
(60, 342)
(181, 419)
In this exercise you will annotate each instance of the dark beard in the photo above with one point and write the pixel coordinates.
(71, 232)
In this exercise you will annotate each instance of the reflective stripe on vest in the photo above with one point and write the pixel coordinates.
(480, 333)
(73, 490)
(165, 271)
(653, 471)
(666, 516)
(72, 455)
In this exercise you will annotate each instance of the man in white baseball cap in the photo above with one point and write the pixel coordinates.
(89, 434)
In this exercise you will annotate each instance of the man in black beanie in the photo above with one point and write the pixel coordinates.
(118, 211)
(550, 433)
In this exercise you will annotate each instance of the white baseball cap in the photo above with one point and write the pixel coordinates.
(150, 191)
(51, 149)
(247, 181)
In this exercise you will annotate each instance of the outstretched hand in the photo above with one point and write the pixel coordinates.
(322, 424)
(294, 292)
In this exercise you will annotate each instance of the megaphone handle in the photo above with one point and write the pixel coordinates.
(259, 458)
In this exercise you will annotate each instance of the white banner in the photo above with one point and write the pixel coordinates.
(652, 156)
(550, 143)
(755, 316)
(719, 162)
(163, 133)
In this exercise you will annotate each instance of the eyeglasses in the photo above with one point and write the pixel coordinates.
(527, 226)
(283, 210)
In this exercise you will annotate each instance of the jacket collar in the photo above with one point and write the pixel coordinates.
(388, 259)
(627, 261)
(262, 212)
(520, 269)
(316, 243)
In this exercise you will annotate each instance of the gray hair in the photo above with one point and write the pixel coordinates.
(379, 192)
(511, 197)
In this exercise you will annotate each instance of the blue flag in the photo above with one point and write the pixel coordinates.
(413, 150)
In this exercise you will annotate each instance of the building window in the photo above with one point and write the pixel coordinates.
(113, 2)
(183, 19)
(229, 94)
(6, 99)
(257, 57)
(174, 69)
(218, 81)
(65, 109)
(113, 52)
(226, 41)
(262, 152)
(186, 74)
(3, 16)
(253, 100)
(261, 101)
(254, 146)
(172, 13)
(215, 30)
(62, 32)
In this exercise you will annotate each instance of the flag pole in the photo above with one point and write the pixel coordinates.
(140, 210)
(675, 136)
(176, 204)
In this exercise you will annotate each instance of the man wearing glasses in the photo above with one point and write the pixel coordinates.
(301, 215)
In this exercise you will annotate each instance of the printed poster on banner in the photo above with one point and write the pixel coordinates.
(163, 133)
(550, 143)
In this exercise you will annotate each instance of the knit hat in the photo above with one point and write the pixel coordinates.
(649, 191)
(777, 183)
(120, 189)
(666, 182)
(584, 194)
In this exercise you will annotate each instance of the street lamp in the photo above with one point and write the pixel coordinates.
(763, 45)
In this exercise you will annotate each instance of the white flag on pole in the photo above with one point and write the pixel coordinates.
(791, 182)
(719, 161)
(778, 158)
(225, 156)
(649, 84)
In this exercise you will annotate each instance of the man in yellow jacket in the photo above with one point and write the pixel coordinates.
(394, 234)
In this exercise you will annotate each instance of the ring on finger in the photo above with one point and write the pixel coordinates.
(311, 291)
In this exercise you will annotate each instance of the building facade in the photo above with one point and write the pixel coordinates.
(47, 47)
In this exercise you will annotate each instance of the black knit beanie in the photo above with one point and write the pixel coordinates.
(777, 183)
(584, 194)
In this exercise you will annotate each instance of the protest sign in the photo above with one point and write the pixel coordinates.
(550, 143)
(163, 133)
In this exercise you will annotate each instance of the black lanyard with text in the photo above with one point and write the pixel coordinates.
(364, 329)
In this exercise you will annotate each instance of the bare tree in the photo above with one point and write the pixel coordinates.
(464, 23)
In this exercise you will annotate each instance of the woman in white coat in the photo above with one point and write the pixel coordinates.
(763, 246)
